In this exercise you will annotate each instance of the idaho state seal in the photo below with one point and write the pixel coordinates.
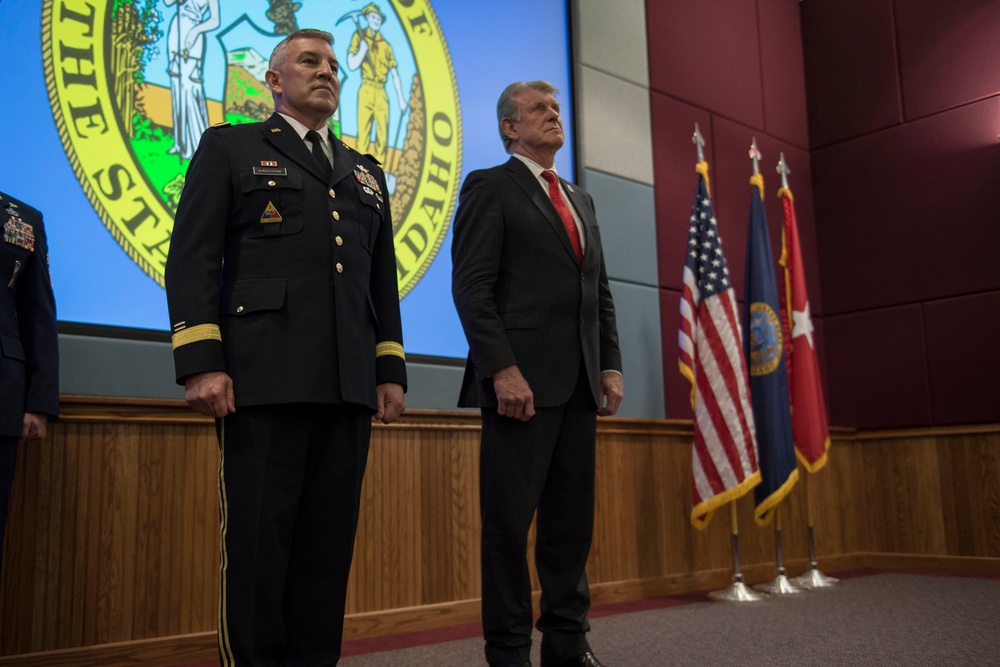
(765, 339)
(134, 83)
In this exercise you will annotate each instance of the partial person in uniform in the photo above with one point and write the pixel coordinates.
(281, 286)
(532, 293)
(29, 345)
(374, 55)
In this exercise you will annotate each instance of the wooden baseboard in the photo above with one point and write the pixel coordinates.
(182, 649)
(978, 567)
(159, 652)
(410, 619)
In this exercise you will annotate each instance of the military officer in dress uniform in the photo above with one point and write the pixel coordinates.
(29, 349)
(281, 286)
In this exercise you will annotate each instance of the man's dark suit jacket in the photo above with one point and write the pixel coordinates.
(286, 283)
(520, 293)
(29, 346)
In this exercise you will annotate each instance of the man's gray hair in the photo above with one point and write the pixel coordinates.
(280, 52)
(507, 107)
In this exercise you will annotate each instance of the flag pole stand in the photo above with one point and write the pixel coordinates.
(737, 591)
(813, 578)
(780, 585)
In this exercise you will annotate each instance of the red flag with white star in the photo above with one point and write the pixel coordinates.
(809, 425)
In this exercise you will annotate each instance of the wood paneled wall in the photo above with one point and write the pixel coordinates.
(112, 544)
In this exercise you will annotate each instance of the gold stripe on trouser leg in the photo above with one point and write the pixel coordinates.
(225, 649)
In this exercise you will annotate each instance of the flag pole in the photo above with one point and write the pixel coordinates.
(774, 400)
(735, 414)
(737, 591)
(699, 143)
(780, 585)
(813, 578)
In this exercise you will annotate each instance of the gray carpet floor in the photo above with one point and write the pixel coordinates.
(880, 619)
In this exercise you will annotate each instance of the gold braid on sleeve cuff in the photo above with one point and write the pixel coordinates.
(395, 349)
(195, 334)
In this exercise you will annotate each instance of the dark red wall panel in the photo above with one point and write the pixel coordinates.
(676, 388)
(783, 72)
(819, 340)
(736, 69)
(899, 216)
(878, 368)
(912, 213)
(963, 350)
(707, 54)
(852, 78)
(949, 53)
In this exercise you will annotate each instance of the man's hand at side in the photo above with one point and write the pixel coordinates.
(390, 402)
(612, 393)
(210, 393)
(514, 397)
(34, 427)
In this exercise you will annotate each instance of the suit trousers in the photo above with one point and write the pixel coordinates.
(289, 492)
(546, 465)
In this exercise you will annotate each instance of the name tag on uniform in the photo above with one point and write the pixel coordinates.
(270, 171)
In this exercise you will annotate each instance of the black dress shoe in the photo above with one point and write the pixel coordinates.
(583, 660)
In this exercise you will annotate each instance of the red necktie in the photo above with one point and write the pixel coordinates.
(563, 209)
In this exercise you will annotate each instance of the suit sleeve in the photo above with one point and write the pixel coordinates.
(611, 354)
(193, 272)
(476, 253)
(390, 360)
(37, 327)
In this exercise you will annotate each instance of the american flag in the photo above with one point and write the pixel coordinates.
(724, 461)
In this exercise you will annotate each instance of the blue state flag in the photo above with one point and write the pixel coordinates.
(765, 351)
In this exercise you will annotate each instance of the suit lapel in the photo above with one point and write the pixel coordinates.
(283, 137)
(533, 189)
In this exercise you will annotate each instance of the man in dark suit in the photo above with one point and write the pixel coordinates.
(29, 346)
(531, 290)
(281, 285)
